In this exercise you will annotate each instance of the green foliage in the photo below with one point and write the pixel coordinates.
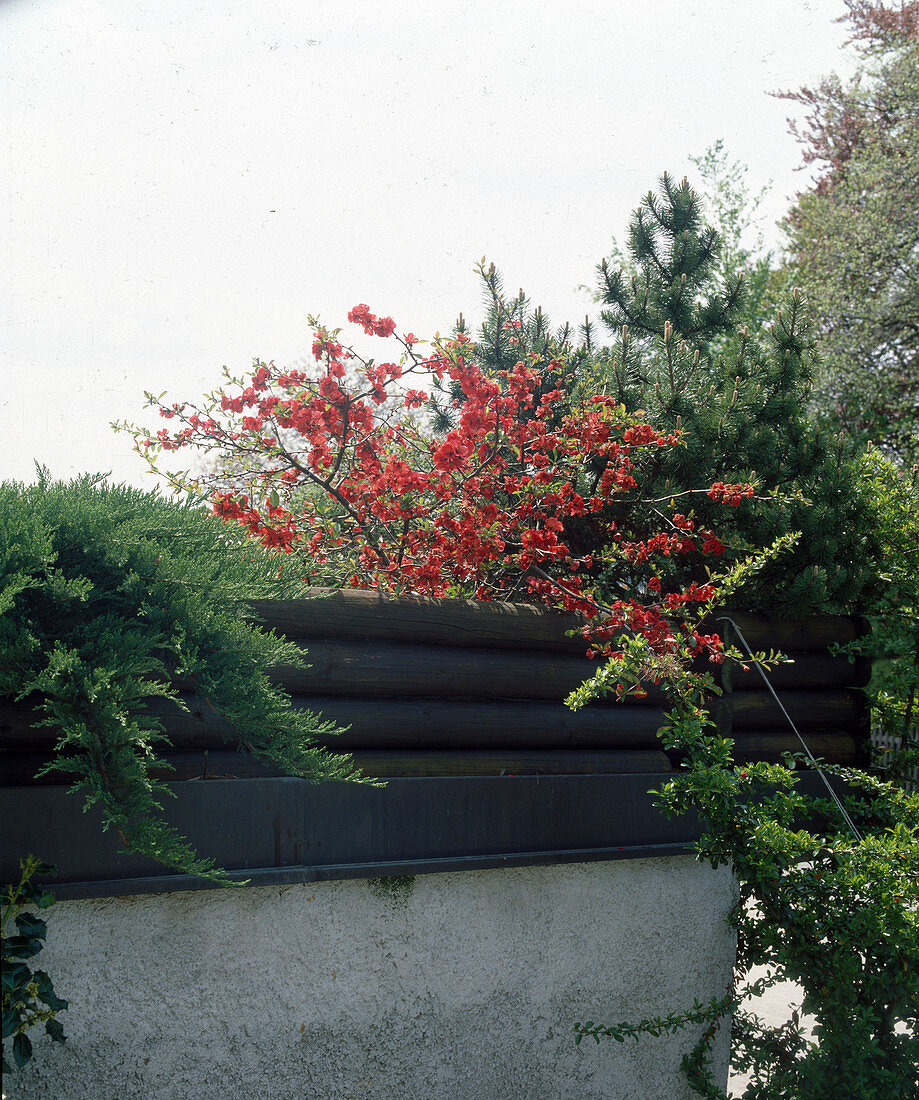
(694, 1064)
(829, 899)
(625, 673)
(734, 212)
(653, 1025)
(740, 398)
(510, 327)
(853, 235)
(893, 644)
(673, 256)
(832, 911)
(684, 351)
(28, 997)
(108, 596)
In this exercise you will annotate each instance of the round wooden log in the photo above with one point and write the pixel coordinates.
(835, 748)
(813, 632)
(435, 724)
(753, 710)
(406, 723)
(367, 616)
(356, 614)
(390, 764)
(201, 728)
(18, 729)
(392, 669)
(808, 670)
(347, 668)
(19, 769)
(413, 722)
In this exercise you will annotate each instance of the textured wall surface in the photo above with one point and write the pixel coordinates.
(462, 985)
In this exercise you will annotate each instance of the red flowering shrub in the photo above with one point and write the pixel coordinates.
(334, 467)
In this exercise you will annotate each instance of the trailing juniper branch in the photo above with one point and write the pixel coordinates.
(108, 595)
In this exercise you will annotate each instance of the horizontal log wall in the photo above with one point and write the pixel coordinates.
(818, 691)
(431, 687)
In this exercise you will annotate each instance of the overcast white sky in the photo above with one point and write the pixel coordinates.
(187, 180)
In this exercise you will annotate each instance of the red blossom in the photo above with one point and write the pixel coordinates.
(730, 494)
(414, 399)
(490, 510)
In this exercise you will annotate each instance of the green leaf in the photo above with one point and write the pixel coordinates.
(22, 1049)
(15, 975)
(31, 926)
(46, 992)
(20, 947)
(55, 1029)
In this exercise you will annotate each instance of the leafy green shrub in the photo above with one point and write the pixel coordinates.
(108, 595)
(852, 233)
(828, 898)
(893, 643)
(682, 353)
(28, 996)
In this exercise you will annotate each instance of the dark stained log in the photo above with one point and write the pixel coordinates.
(752, 710)
(835, 748)
(367, 616)
(19, 768)
(355, 670)
(348, 668)
(808, 670)
(390, 668)
(17, 726)
(363, 615)
(433, 723)
(422, 723)
(201, 728)
(405, 723)
(815, 632)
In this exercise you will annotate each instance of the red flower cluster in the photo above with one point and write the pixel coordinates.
(277, 537)
(730, 494)
(372, 325)
(350, 482)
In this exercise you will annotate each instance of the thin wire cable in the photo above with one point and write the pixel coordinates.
(855, 832)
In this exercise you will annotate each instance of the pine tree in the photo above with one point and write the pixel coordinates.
(738, 397)
(509, 326)
(743, 412)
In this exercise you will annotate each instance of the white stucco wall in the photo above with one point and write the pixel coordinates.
(462, 986)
